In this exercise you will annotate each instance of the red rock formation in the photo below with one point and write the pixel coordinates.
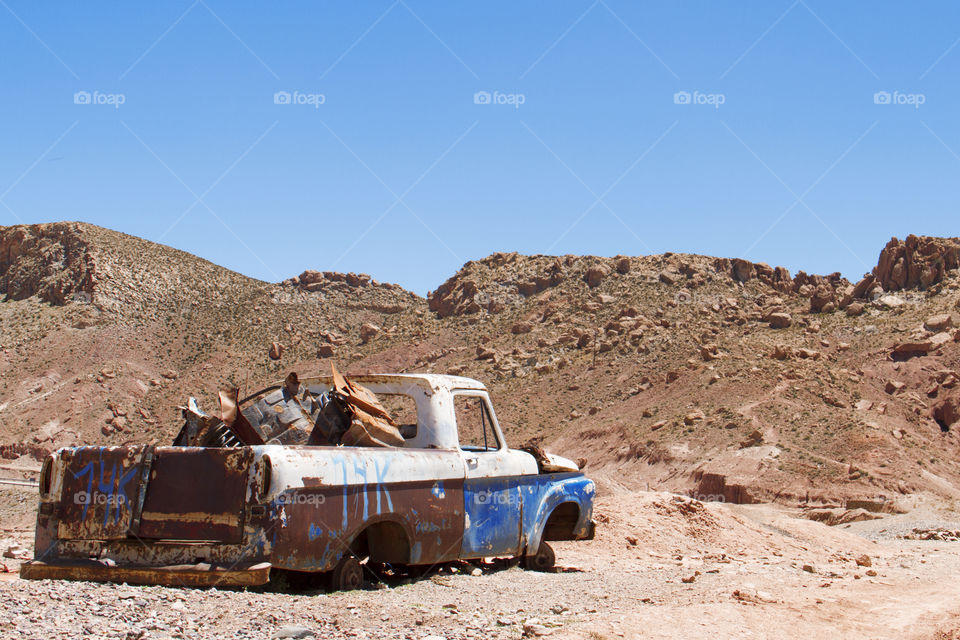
(51, 261)
(917, 262)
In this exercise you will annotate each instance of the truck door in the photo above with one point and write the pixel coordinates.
(491, 493)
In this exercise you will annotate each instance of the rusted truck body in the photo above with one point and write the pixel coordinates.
(231, 515)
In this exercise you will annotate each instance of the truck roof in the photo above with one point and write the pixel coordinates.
(429, 381)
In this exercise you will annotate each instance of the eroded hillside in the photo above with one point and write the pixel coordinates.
(714, 376)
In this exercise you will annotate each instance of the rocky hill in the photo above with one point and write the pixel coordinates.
(714, 376)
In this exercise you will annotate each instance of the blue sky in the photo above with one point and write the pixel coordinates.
(356, 136)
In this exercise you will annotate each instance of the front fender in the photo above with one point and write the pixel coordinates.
(548, 491)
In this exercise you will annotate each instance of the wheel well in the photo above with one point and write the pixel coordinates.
(383, 542)
(562, 521)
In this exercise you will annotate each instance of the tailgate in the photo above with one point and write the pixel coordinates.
(169, 493)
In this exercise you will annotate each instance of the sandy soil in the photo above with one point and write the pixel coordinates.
(662, 566)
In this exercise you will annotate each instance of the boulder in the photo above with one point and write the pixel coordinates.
(938, 323)
(622, 265)
(368, 332)
(325, 351)
(521, 327)
(909, 350)
(276, 351)
(595, 275)
(822, 296)
(779, 320)
(855, 309)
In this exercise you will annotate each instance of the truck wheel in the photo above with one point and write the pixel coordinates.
(347, 575)
(543, 560)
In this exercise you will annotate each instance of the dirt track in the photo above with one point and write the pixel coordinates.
(751, 583)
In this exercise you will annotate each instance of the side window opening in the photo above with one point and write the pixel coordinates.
(474, 426)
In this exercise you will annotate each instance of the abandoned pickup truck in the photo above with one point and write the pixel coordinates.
(263, 488)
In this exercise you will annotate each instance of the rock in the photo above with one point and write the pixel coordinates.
(809, 568)
(894, 386)
(917, 262)
(939, 339)
(864, 561)
(822, 296)
(693, 417)
(658, 425)
(781, 352)
(295, 631)
(834, 517)
(119, 423)
(672, 376)
(521, 327)
(939, 323)
(276, 351)
(485, 353)
(743, 270)
(170, 374)
(325, 351)
(16, 552)
(909, 350)
(667, 277)
(368, 332)
(779, 320)
(947, 414)
(595, 275)
(710, 352)
(855, 309)
(622, 265)
(891, 302)
(755, 438)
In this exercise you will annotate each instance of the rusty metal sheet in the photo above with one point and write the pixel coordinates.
(314, 526)
(99, 490)
(172, 576)
(196, 494)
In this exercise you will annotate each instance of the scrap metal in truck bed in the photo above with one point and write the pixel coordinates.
(278, 482)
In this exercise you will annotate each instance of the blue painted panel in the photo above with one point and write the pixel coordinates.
(541, 494)
(506, 516)
(493, 511)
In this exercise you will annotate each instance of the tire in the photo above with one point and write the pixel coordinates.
(347, 575)
(543, 560)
